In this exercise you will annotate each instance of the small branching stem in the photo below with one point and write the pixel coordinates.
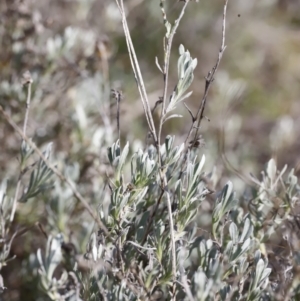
(196, 120)
(209, 80)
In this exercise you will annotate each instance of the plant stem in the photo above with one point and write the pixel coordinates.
(28, 100)
(137, 72)
(208, 81)
(210, 77)
(166, 69)
(167, 55)
(172, 234)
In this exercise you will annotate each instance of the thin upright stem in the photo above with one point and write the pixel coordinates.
(118, 97)
(137, 72)
(196, 120)
(118, 119)
(28, 100)
(169, 42)
(210, 77)
(172, 235)
(27, 107)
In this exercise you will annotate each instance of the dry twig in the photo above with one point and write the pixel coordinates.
(137, 72)
(208, 81)
(27, 81)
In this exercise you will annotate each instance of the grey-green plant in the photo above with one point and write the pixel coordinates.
(39, 182)
(149, 237)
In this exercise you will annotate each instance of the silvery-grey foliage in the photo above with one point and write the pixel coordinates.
(162, 233)
(39, 178)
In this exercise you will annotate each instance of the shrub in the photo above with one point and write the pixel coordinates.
(155, 224)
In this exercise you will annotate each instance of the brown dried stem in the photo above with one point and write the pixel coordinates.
(208, 81)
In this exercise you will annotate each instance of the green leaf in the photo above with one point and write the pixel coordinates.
(158, 65)
(181, 49)
(271, 170)
(122, 159)
(247, 230)
(233, 231)
(172, 116)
